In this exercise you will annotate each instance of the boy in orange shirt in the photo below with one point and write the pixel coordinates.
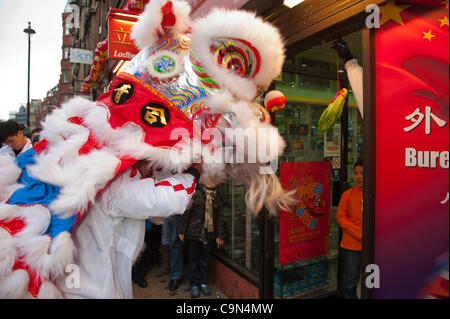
(349, 217)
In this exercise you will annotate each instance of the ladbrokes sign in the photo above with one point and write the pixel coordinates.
(120, 45)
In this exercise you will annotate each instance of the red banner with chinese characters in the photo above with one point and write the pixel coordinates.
(304, 231)
(412, 151)
(120, 45)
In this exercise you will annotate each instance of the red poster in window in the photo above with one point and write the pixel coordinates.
(304, 231)
(120, 45)
(412, 151)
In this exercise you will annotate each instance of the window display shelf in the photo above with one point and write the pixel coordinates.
(306, 279)
(298, 264)
(319, 291)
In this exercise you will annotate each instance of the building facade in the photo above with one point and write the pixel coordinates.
(92, 29)
(62, 91)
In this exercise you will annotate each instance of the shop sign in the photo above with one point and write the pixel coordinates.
(304, 231)
(336, 162)
(120, 44)
(81, 56)
(412, 151)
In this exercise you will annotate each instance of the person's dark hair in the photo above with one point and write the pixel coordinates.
(358, 163)
(36, 130)
(10, 128)
(2, 124)
(35, 139)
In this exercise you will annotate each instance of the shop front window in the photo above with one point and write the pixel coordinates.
(66, 29)
(307, 97)
(241, 228)
(66, 53)
(66, 76)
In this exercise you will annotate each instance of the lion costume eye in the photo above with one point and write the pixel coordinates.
(237, 56)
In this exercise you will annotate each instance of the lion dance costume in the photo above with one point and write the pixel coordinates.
(190, 78)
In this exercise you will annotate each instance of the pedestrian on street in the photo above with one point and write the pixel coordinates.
(175, 248)
(202, 227)
(349, 216)
(15, 141)
(144, 262)
(35, 135)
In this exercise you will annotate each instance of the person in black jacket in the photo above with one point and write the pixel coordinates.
(201, 226)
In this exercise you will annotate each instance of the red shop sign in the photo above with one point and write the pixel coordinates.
(120, 44)
(412, 151)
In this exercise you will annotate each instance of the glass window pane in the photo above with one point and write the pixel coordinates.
(355, 138)
(66, 53)
(225, 193)
(241, 244)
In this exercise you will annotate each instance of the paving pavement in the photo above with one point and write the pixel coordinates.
(158, 288)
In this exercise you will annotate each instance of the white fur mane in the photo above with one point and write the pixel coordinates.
(239, 25)
(147, 30)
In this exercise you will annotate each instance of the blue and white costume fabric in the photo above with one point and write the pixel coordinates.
(37, 246)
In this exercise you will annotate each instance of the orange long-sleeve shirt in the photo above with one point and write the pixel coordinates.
(349, 217)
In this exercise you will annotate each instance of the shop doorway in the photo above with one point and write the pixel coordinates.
(310, 80)
(312, 75)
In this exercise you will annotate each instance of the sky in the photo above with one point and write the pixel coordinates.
(46, 53)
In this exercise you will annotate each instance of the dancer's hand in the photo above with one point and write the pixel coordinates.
(343, 50)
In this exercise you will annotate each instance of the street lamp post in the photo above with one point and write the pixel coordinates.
(30, 32)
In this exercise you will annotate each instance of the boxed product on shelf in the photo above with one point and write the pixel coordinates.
(302, 279)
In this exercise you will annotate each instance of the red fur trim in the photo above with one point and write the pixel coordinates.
(35, 281)
(169, 18)
(91, 144)
(14, 226)
(76, 221)
(42, 145)
(179, 187)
